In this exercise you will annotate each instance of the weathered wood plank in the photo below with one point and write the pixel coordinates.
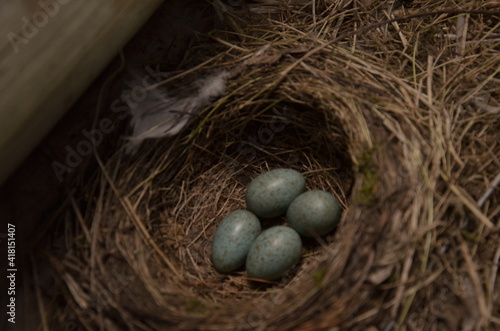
(49, 54)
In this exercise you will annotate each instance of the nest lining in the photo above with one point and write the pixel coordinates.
(386, 128)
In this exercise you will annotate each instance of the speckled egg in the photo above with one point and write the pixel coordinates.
(274, 252)
(233, 238)
(270, 194)
(314, 213)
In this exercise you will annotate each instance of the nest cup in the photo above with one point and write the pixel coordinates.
(395, 141)
(159, 210)
(189, 183)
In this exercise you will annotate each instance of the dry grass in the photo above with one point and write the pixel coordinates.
(400, 120)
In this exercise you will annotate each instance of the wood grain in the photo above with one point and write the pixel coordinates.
(49, 57)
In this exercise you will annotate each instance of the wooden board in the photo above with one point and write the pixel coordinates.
(50, 52)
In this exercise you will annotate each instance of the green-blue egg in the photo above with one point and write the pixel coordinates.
(270, 194)
(314, 213)
(273, 253)
(232, 240)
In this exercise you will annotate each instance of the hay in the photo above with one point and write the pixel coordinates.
(400, 122)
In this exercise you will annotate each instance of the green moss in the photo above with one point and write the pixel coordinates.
(375, 100)
(473, 237)
(194, 306)
(319, 274)
(369, 171)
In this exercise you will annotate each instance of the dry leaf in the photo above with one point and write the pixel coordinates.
(380, 275)
(487, 103)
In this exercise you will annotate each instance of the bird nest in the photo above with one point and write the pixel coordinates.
(398, 119)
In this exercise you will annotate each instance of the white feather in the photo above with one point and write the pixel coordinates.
(159, 115)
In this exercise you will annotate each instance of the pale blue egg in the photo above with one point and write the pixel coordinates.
(232, 240)
(273, 253)
(314, 213)
(270, 194)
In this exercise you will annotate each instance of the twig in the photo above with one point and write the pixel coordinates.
(489, 192)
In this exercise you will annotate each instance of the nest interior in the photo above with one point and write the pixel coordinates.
(398, 121)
